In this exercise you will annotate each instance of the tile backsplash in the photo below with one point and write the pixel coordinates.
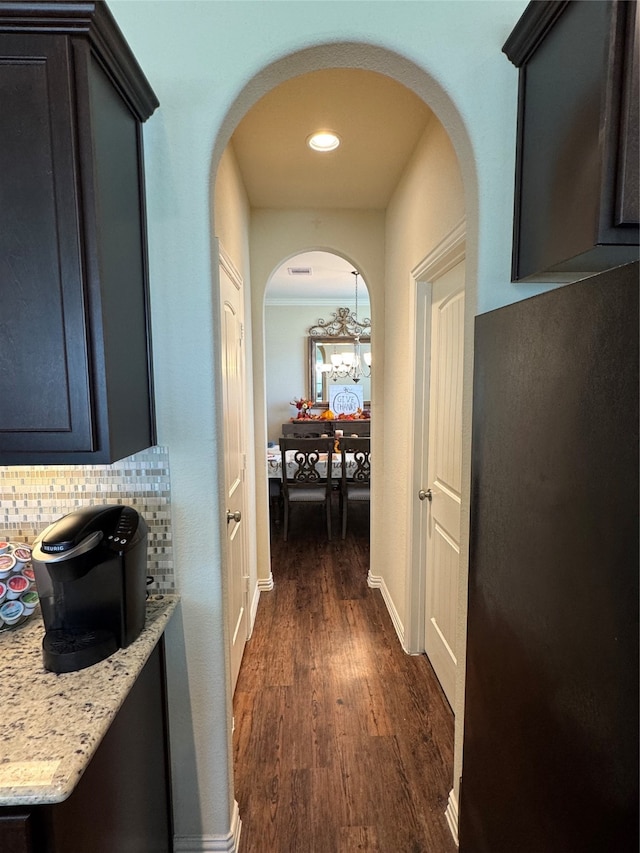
(31, 497)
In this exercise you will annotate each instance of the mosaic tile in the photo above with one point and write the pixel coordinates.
(33, 497)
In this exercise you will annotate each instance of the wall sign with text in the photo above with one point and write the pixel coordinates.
(346, 399)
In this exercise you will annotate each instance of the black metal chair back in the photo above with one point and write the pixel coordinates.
(356, 474)
(306, 475)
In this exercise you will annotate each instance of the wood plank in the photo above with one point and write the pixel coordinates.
(363, 838)
(342, 742)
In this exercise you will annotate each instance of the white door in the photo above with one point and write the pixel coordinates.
(233, 376)
(444, 475)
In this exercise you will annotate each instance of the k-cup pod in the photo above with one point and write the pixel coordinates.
(3, 591)
(22, 555)
(29, 600)
(30, 575)
(11, 612)
(16, 586)
(4, 547)
(7, 564)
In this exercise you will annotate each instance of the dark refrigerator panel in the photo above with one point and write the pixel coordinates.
(550, 761)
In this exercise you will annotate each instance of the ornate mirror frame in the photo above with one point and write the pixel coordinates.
(342, 329)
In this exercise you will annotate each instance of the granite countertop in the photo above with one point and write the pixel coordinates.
(51, 725)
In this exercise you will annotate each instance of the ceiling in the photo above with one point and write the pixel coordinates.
(330, 280)
(379, 122)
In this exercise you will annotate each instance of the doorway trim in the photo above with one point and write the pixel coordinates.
(443, 257)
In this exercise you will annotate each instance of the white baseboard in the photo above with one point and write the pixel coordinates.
(229, 843)
(452, 814)
(265, 584)
(376, 582)
(262, 585)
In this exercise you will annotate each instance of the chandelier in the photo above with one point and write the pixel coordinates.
(352, 364)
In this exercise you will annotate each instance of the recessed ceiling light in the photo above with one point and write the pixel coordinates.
(323, 140)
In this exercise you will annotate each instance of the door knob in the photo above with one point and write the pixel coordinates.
(425, 496)
(233, 516)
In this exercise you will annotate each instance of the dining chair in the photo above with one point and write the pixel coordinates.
(356, 474)
(306, 475)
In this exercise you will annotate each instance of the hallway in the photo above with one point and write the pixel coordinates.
(342, 742)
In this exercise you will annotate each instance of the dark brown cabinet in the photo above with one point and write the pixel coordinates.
(123, 800)
(16, 831)
(75, 367)
(576, 187)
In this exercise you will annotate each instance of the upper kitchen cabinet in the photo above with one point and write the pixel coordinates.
(75, 364)
(576, 189)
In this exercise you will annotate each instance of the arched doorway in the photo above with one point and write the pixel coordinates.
(312, 287)
(276, 234)
(305, 288)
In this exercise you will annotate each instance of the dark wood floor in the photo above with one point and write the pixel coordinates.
(342, 742)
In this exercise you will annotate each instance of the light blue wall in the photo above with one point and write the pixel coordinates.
(208, 62)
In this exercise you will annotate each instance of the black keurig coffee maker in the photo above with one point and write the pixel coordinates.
(91, 571)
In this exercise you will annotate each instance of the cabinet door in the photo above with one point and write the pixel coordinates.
(115, 253)
(122, 803)
(576, 208)
(16, 835)
(44, 368)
